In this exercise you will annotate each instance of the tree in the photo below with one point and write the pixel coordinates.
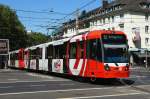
(35, 38)
(11, 28)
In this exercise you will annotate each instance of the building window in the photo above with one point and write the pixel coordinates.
(103, 21)
(121, 27)
(112, 18)
(95, 23)
(100, 21)
(146, 29)
(109, 19)
(121, 16)
(108, 28)
(118, 7)
(147, 41)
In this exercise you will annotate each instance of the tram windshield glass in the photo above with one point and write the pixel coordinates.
(115, 48)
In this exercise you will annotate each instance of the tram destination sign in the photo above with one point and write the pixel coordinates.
(114, 38)
(4, 46)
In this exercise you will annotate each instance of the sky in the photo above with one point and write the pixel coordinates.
(38, 15)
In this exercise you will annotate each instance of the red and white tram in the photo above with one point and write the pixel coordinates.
(96, 54)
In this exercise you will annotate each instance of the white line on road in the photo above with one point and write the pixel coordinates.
(33, 81)
(66, 84)
(68, 90)
(40, 75)
(51, 91)
(137, 76)
(12, 79)
(5, 70)
(103, 96)
(37, 85)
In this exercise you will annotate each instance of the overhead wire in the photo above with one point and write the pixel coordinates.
(42, 18)
(75, 11)
(39, 12)
(53, 12)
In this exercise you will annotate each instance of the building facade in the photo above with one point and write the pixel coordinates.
(129, 16)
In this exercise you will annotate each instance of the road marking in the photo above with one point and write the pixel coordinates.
(38, 75)
(37, 85)
(68, 90)
(12, 79)
(53, 91)
(66, 84)
(34, 81)
(143, 86)
(8, 70)
(137, 76)
(103, 96)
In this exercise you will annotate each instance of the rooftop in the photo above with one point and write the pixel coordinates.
(113, 8)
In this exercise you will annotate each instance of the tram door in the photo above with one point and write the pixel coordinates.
(65, 69)
(76, 57)
(50, 57)
(38, 57)
(26, 59)
(94, 54)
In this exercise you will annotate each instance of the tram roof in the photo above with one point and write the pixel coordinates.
(16, 51)
(97, 33)
(57, 42)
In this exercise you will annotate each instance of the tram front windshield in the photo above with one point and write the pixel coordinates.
(115, 48)
(115, 55)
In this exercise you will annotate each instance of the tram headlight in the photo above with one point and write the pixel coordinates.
(107, 68)
(127, 67)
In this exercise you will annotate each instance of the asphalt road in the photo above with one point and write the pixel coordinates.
(17, 84)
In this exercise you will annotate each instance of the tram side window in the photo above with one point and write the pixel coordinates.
(64, 48)
(58, 53)
(46, 53)
(16, 56)
(99, 50)
(13, 56)
(33, 54)
(73, 48)
(81, 49)
(26, 55)
(91, 49)
(49, 52)
(39, 53)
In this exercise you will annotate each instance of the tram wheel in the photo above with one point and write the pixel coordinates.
(93, 79)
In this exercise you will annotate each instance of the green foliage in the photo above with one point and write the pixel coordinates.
(11, 28)
(35, 38)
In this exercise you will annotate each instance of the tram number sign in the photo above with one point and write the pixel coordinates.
(4, 46)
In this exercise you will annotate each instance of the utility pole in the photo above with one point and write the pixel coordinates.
(146, 52)
(77, 21)
(47, 31)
